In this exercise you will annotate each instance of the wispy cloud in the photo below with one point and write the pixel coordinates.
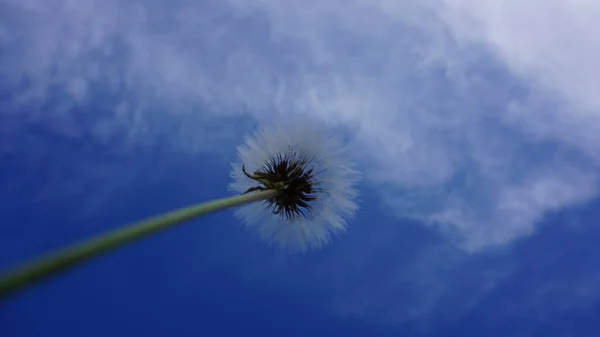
(427, 88)
(449, 119)
(550, 42)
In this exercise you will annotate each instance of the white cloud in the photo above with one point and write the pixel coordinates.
(431, 114)
(554, 45)
(552, 42)
(436, 117)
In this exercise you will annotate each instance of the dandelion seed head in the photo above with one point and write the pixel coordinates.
(317, 172)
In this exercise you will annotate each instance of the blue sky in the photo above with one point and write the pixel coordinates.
(476, 127)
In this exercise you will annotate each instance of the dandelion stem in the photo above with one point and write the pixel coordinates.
(55, 262)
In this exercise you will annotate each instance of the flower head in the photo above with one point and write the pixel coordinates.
(315, 179)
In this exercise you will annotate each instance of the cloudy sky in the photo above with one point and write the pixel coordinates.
(476, 126)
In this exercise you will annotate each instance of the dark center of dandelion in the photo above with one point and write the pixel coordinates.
(292, 176)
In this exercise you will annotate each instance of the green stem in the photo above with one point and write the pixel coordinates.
(51, 264)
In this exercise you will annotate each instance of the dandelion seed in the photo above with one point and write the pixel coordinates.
(314, 175)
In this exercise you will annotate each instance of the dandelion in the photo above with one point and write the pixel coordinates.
(318, 196)
(295, 186)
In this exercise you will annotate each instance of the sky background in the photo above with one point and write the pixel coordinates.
(476, 126)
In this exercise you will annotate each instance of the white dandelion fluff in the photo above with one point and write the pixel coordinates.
(319, 195)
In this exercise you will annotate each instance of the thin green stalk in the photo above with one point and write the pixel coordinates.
(53, 263)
